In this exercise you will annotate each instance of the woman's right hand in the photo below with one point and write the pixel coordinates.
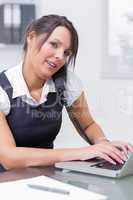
(105, 151)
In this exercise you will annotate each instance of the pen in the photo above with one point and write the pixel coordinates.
(49, 189)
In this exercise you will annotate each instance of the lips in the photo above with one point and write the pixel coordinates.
(51, 64)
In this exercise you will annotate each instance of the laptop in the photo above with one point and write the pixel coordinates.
(99, 167)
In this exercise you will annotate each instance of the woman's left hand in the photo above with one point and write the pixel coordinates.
(125, 147)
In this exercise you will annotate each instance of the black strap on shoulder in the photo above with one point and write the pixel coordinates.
(5, 84)
(59, 79)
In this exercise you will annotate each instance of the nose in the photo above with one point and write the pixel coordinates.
(59, 54)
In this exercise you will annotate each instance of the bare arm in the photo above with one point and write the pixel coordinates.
(15, 157)
(19, 157)
(80, 112)
(95, 135)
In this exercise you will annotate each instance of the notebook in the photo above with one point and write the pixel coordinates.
(99, 167)
(57, 190)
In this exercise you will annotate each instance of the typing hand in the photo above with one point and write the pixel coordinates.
(105, 150)
(124, 147)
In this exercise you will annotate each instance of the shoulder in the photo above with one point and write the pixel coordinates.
(74, 87)
(73, 79)
(4, 102)
(12, 72)
(4, 87)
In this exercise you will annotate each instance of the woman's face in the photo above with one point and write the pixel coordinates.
(48, 57)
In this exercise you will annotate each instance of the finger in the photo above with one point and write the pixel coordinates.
(112, 154)
(124, 150)
(106, 157)
(130, 147)
(127, 146)
(115, 157)
(112, 150)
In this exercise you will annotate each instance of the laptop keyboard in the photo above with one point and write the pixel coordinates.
(107, 165)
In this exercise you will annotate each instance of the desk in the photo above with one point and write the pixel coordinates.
(115, 189)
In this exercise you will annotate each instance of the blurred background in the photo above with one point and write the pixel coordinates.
(109, 94)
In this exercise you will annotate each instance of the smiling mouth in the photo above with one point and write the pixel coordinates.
(51, 64)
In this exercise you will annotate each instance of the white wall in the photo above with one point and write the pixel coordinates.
(110, 101)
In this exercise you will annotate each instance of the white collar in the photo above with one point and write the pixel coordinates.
(19, 86)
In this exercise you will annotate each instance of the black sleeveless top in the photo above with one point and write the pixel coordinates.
(36, 126)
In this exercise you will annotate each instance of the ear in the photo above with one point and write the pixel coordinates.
(31, 36)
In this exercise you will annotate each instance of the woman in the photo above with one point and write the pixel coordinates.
(32, 96)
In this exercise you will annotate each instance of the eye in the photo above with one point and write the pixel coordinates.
(68, 53)
(54, 44)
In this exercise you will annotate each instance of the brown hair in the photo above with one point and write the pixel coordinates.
(46, 24)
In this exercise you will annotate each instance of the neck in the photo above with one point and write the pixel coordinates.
(32, 80)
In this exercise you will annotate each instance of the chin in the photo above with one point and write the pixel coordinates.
(46, 76)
